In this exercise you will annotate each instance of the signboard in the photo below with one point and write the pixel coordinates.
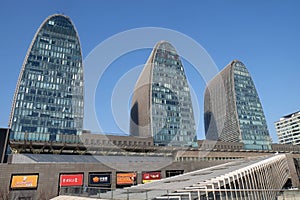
(24, 181)
(126, 178)
(71, 180)
(98, 179)
(150, 176)
(170, 173)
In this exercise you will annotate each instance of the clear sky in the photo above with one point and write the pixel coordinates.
(264, 35)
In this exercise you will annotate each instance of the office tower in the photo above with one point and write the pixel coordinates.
(232, 109)
(48, 101)
(161, 104)
(288, 129)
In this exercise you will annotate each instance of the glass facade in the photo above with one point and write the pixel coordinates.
(172, 112)
(232, 109)
(48, 101)
(161, 103)
(251, 118)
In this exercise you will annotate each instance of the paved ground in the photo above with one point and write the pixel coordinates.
(71, 198)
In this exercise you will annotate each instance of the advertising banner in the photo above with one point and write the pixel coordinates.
(99, 179)
(150, 176)
(170, 173)
(126, 178)
(71, 180)
(24, 181)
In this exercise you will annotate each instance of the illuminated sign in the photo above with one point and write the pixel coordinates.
(151, 176)
(71, 180)
(126, 178)
(170, 173)
(24, 181)
(99, 179)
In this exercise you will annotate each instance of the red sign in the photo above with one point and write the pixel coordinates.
(151, 176)
(71, 180)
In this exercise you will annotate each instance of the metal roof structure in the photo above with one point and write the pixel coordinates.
(245, 179)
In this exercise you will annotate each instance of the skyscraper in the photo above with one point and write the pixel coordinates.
(288, 129)
(232, 109)
(161, 104)
(48, 101)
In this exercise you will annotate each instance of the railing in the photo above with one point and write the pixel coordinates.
(164, 194)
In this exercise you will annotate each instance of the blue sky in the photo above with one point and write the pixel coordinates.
(264, 35)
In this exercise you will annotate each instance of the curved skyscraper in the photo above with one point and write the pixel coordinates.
(232, 109)
(161, 104)
(48, 101)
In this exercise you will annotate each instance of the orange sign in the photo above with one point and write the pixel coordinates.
(126, 178)
(24, 181)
